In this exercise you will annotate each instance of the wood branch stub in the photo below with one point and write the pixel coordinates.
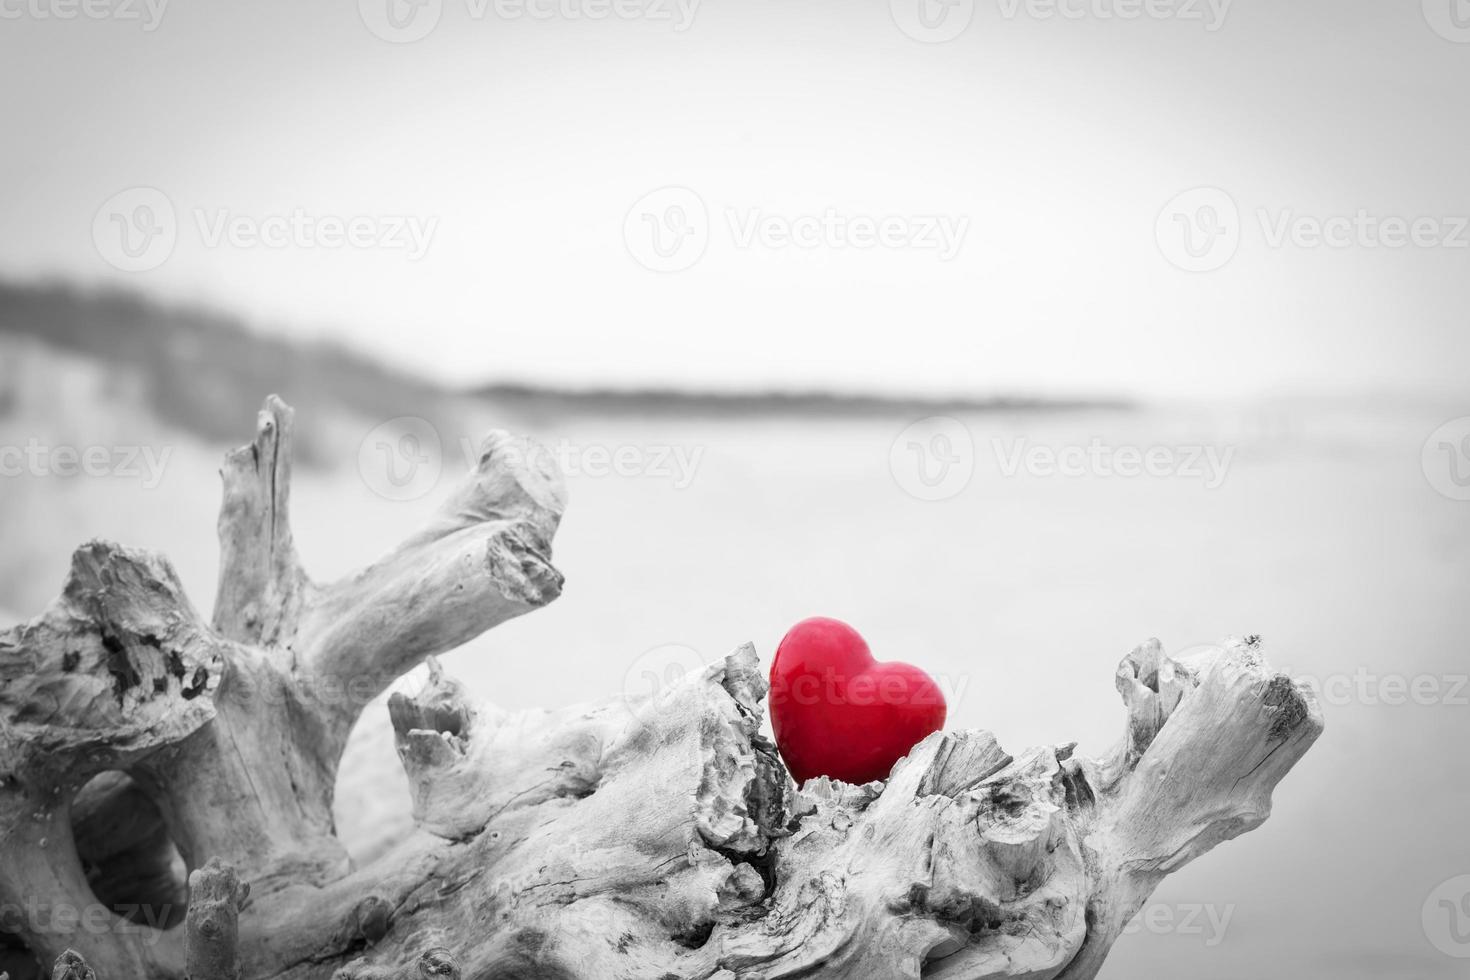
(211, 946)
(117, 668)
(261, 583)
(1226, 730)
(71, 966)
(484, 558)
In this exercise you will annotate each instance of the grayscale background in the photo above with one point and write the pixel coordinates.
(1013, 332)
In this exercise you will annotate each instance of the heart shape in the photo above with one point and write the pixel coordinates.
(838, 712)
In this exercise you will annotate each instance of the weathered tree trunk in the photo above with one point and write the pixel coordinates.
(626, 839)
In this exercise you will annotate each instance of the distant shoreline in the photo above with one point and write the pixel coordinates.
(705, 403)
(204, 364)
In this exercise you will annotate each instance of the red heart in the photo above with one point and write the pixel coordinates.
(838, 712)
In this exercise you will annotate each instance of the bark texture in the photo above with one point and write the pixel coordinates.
(657, 838)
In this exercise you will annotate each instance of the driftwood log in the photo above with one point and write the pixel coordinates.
(627, 839)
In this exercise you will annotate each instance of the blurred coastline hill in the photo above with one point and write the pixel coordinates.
(202, 372)
(199, 371)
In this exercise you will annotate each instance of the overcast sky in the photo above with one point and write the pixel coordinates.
(863, 204)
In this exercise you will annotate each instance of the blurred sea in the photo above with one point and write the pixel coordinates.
(1020, 592)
